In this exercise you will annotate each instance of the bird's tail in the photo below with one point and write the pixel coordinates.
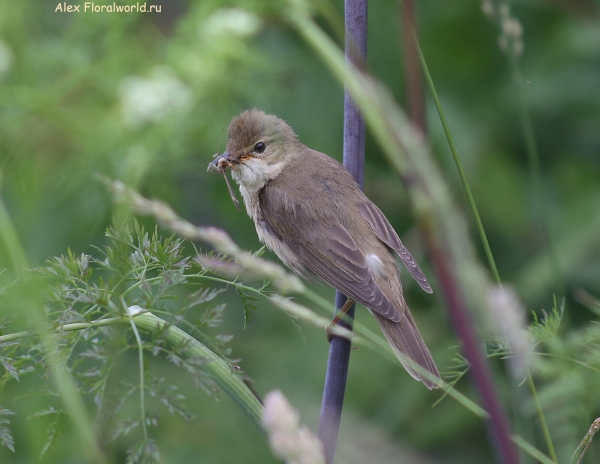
(404, 337)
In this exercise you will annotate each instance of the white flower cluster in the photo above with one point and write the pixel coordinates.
(508, 315)
(152, 99)
(510, 40)
(230, 22)
(289, 440)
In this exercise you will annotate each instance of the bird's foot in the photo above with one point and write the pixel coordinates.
(339, 315)
(328, 332)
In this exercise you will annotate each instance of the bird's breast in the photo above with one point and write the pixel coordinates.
(280, 248)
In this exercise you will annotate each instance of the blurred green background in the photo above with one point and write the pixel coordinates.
(146, 98)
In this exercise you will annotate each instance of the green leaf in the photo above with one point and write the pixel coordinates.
(6, 438)
(52, 435)
(249, 307)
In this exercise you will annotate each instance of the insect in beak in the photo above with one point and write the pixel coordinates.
(221, 163)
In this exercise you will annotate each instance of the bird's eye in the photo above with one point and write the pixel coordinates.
(260, 147)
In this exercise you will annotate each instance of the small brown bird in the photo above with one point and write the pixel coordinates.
(308, 209)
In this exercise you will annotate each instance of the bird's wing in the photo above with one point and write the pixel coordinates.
(325, 247)
(388, 235)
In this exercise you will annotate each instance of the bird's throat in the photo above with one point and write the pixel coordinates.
(252, 176)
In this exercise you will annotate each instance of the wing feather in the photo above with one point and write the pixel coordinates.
(388, 235)
(325, 247)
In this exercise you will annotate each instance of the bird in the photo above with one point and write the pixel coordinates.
(308, 209)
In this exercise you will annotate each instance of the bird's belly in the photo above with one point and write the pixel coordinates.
(283, 252)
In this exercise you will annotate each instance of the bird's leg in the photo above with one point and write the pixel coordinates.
(341, 313)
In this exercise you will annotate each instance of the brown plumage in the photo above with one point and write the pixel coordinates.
(309, 210)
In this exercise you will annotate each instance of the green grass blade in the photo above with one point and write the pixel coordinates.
(532, 450)
(480, 228)
(461, 172)
(540, 412)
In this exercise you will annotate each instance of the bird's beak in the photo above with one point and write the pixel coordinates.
(220, 162)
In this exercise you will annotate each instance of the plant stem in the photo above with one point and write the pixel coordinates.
(432, 203)
(412, 73)
(138, 340)
(65, 383)
(461, 172)
(63, 328)
(535, 169)
(219, 370)
(533, 156)
(498, 422)
(532, 450)
(480, 228)
(538, 406)
(355, 18)
(223, 374)
(335, 385)
(10, 239)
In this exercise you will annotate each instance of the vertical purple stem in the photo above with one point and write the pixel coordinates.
(498, 426)
(412, 67)
(354, 160)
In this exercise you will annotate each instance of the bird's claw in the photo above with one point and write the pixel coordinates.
(329, 335)
(329, 332)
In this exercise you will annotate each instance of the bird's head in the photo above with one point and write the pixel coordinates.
(259, 146)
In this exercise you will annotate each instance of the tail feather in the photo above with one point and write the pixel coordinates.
(404, 337)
